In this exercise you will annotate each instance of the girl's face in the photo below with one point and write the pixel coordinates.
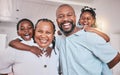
(87, 19)
(44, 34)
(25, 30)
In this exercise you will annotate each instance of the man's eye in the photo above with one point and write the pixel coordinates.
(60, 16)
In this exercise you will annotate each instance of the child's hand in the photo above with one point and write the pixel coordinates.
(88, 28)
(36, 51)
(48, 51)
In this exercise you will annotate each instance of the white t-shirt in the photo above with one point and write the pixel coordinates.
(27, 63)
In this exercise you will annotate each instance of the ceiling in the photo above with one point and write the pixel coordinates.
(13, 10)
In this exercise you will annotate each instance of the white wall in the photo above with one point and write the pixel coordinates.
(3, 41)
(108, 14)
(9, 29)
(115, 42)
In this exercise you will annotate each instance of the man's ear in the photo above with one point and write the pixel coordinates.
(57, 21)
(75, 18)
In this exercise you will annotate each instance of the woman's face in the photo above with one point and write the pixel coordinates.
(44, 34)
(87, 19)
(25, 30)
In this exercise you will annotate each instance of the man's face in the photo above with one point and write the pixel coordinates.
(66, 19)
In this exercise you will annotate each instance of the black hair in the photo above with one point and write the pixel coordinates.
(24, 19)
(48, 20)
(90, 10)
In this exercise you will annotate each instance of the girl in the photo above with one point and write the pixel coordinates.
(88, 20)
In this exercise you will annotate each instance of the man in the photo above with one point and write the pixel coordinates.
(82, 53)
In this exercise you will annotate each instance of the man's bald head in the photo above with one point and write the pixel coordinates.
(64, 6)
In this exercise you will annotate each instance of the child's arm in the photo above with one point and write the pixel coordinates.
(90, 29)
(20, 46)
(48, 52)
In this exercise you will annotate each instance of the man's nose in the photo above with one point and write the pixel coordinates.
(66, 18)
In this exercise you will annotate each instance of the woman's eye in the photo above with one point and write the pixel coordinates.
(48, 32)
(39, 31)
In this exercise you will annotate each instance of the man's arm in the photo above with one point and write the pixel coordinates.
(116, 60)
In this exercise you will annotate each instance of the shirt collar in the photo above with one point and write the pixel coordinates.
(79, 32)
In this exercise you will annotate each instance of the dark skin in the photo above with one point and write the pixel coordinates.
(88, 20)
(116, 60)
(25, 28)
(18, 45)
(66, 13)
(35, 50)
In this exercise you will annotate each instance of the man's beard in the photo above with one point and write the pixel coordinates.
(67, 32)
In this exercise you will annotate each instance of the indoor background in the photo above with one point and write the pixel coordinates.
(11, 11)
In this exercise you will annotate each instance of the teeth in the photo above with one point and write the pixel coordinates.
(43, 40)
(26, 34)
(66, 23)
(85, 23)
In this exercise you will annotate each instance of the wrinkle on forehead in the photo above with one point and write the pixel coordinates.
(63, 6)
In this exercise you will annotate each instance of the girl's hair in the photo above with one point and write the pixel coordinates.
(91, 11)
(24, 19)
(48, 20)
